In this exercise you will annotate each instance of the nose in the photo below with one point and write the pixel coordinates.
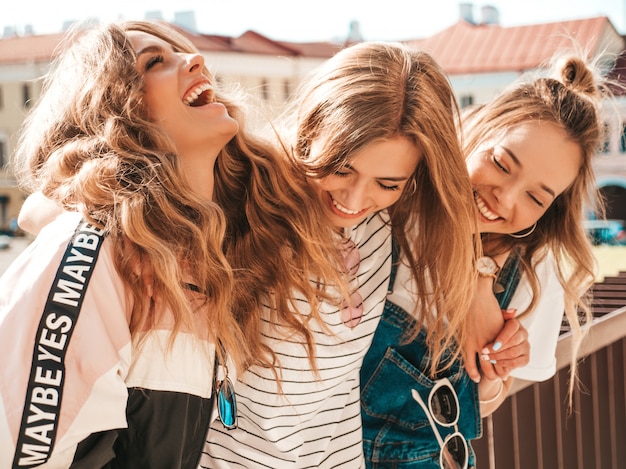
(507, 196)
(194, 62)
(356, 195)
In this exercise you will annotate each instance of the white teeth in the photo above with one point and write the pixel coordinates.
(482, 208)
(191, 97)
(343, 209)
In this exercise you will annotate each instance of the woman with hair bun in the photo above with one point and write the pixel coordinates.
(529, 155)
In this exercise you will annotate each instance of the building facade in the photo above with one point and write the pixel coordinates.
(269, 71)
(491, 58)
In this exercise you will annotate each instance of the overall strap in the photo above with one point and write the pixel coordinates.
(47, 376)
(507, 281)
(395, 257)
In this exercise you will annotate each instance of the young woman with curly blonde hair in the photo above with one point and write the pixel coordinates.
(133, 134)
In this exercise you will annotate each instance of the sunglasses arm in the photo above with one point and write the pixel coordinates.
(419, 400)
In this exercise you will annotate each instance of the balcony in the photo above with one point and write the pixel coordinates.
(533, 428)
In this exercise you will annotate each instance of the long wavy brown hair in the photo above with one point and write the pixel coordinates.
(569, 98)
(89, 145)
(276, 240)
(375, 91)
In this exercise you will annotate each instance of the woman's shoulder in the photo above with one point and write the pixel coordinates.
(36, 212)
(545, 266)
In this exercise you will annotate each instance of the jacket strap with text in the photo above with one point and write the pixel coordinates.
(44, 394)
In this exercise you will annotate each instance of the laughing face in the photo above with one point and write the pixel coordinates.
(179, 96)
(517, 177)
(372, 180)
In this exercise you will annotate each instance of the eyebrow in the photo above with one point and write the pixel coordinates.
(390, 178)
(155, 48)
(518, 163)
(149, 50)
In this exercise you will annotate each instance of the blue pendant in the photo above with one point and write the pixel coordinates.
(226, 404)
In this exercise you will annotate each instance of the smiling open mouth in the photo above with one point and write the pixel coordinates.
(200, 96)
(344, 210)
(482, 208)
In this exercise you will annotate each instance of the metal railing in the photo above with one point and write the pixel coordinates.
(533, 429)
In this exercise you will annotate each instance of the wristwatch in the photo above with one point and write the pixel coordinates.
(487, 267)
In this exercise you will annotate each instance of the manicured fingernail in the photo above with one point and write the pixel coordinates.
(497, 346)
(493, 362)
(485, 351)
(484, 357)
(476, 379)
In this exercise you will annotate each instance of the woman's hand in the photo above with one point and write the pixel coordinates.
(484, 323)
(510, 349)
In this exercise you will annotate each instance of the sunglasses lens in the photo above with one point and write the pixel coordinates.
(444, 406)
(454, 453)
(226, 404)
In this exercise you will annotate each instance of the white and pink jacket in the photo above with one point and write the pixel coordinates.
(105, 402)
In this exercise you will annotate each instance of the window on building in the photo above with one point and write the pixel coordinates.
(466, 100)
(4, 155)
(287, 89)
(26, 95)
(606, 145)
(265, 89)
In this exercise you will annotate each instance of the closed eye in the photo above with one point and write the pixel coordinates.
(535, 199)
(342, 174)
(394, 187)
(497, 162)
(152, 61)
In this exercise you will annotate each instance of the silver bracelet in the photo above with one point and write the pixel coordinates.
(496, 397)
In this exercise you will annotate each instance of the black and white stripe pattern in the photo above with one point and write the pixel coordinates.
(316, 421)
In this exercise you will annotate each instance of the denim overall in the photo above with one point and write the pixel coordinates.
(396, 432)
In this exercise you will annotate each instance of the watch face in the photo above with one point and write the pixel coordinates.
(487, 265)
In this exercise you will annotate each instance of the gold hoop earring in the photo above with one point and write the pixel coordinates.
(522, 234)
(412, 189)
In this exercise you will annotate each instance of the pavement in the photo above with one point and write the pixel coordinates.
(9, 254)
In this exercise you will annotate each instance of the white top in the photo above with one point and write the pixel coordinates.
(316, 422)
(543, 323)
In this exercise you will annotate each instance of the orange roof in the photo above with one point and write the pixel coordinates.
(462, 48)
(255, 43)
(20, 49)
(315, 49)
(465, 48)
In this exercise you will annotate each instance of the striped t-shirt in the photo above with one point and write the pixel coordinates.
(316, 421)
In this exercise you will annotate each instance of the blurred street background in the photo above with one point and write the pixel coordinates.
(611, 259)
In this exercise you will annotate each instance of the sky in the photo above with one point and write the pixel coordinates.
(314, 20)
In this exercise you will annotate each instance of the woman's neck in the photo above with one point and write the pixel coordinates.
(199, 172)
(495, 247)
